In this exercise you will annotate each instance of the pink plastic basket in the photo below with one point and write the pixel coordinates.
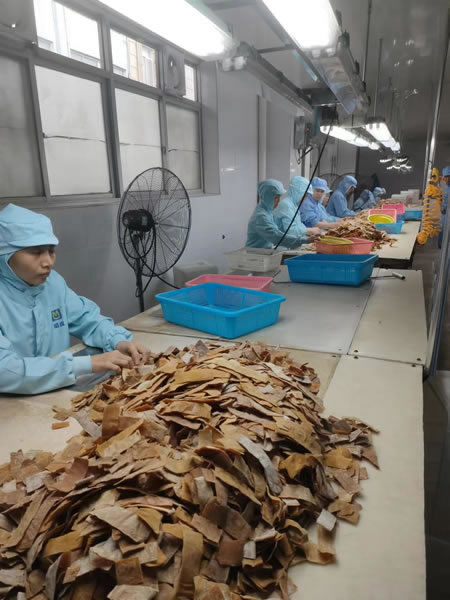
(400, 208)
(391, 212)
(361, 246)
(327, 248)
(261, 284)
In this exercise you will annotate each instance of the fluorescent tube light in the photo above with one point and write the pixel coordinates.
(379, 130)
(310, 23)
(350, 136)
(190, 26)
(338, 132)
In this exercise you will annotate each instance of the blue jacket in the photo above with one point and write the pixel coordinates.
(262, 231)
(313, 211)
(285, 211)
(337, 205)
(365, 201)
(36, 322)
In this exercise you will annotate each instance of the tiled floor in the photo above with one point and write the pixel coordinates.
(437, 444)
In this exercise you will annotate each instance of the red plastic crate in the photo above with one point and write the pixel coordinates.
(261, 284)
(400, 208)
(327, 248)
(361, 246)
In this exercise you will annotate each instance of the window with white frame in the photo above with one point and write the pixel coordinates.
(67, 32)
(19, 173)
(190, 75)
(100, 126)
(139, 134)
(133, 59)
(183, 152)
(74, 133)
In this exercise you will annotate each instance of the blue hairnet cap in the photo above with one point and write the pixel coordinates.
(379, 191)
(267, 190)
(350, 180)
(273, 185)
(319, 184)
(23, 228)
(298, 187)
(446, 172)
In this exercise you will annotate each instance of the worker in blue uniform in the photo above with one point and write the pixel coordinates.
(446, 175)
(312, 212)
(39, 313)
(379, 192)
(262, 231)
(288, 207)
(368, 199)
(337, 206)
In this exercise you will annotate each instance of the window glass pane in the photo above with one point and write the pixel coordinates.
(67, 32)
(191, 87)
(74, 133)
(184, 145)
(19, 163)
(139, 134)
(133, 59)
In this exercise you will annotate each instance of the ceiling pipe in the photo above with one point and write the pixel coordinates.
(366, 53)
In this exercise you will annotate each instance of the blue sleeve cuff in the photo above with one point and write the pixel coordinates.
(119, 334)
(82, 365)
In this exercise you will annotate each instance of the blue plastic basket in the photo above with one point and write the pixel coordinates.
(223, 310)
(390, 227)
(335, 269)
(413, 214)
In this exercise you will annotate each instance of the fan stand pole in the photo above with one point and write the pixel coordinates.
(139, 285)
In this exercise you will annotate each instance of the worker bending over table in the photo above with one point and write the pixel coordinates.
(338, 204)
(312, 212)
(262, 231)
(367, 199)
(288, 208)
(39, 313)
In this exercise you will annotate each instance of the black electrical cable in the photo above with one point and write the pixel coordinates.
(306, 191)
(305, 153)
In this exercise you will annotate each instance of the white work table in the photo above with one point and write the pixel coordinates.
(399, 255)
(384, 555)
(401, 252)
(383, 318)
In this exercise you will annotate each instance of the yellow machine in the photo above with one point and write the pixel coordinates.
(432, 203)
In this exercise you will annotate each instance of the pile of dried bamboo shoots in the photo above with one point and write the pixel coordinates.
(196, 476)
(360, 227)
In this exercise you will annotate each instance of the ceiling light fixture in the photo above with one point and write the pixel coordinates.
(191, 26)
(350, 136)
(385, 160)
(298, 17)
(339, 133)
(325, 47)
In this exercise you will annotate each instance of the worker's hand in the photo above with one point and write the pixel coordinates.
(110, 361)
(314, 231)
(137, 352)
